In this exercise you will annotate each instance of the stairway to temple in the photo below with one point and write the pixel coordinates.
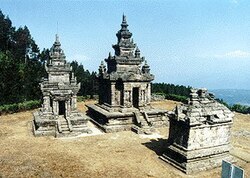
(143, 124)
(64, 127)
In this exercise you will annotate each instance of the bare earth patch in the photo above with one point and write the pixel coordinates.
(123, 154)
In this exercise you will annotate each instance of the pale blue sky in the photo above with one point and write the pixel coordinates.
(201, 43)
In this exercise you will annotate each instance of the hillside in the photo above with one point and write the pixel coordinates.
(123, 154)
(233, 96)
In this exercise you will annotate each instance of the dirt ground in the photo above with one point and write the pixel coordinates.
(123, 154)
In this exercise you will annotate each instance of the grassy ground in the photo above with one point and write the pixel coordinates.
(123, 154)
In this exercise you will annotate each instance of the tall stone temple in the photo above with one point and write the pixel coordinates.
(199, 134)
(58, 115)
(125, 90)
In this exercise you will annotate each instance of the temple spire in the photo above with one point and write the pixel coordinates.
(124, 23)
(125, 44)
(57, 38)
(56, 53)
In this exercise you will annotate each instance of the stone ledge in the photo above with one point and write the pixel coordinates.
(194, 166)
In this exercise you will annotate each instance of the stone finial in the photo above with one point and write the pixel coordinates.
(57, 38)
(145, 68)
(202, 92)
(137, 52)
(124, 19)
(102, 68)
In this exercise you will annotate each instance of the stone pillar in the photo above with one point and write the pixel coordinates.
(149, 93)
(55, 107)
(117, 98)
(113, 94)
(143, 101)
(74, 103)
(125, 98)
(129, 98)
(68, 108)
(140, 97)
(46, 103)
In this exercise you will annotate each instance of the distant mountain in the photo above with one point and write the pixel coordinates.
(233, 96)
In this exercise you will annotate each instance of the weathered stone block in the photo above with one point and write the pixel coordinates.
(201, 139)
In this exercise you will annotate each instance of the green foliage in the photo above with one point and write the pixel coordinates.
(89, 84)
(16, 107)
(236, 107)
(171, 91)
(240, 108)
(176, 97)
(21, 65)
(83, 98)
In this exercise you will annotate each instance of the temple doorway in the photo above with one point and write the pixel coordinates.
(136, 97)
(61, 107)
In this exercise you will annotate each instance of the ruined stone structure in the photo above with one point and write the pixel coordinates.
(58, 115)
(199, 134)
(125, 90)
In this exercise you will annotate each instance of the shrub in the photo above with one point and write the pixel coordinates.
(16, 107)
(177, 98)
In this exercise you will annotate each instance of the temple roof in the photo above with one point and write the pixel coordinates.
(56, 53)
(127, 62)
(125, 45)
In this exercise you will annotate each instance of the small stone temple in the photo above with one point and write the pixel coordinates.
(125, 90)
(58, 115)
(199, 134)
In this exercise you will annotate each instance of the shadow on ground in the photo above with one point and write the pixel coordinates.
(157, 145)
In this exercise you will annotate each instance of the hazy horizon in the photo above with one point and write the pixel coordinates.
(198, 44)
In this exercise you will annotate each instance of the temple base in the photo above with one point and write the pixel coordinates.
(138, 120)
(193, 161)
(59, 126)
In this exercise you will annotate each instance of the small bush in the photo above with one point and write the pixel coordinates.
(176, 98)
(16, 107)
(83, 98)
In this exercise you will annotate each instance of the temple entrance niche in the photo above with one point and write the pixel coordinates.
(61, 107)
(135, 97)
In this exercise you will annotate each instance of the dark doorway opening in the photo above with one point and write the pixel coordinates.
(61, 107)
(136, 97)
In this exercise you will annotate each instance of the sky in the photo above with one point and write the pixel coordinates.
(198, 43)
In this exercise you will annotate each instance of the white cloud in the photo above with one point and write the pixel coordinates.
(234, 54)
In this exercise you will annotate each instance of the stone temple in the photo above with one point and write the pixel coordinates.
(199, 134)
(58, 115)
(125, 90)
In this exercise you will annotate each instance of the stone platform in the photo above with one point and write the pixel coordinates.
(59, 126)
(140, 121)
